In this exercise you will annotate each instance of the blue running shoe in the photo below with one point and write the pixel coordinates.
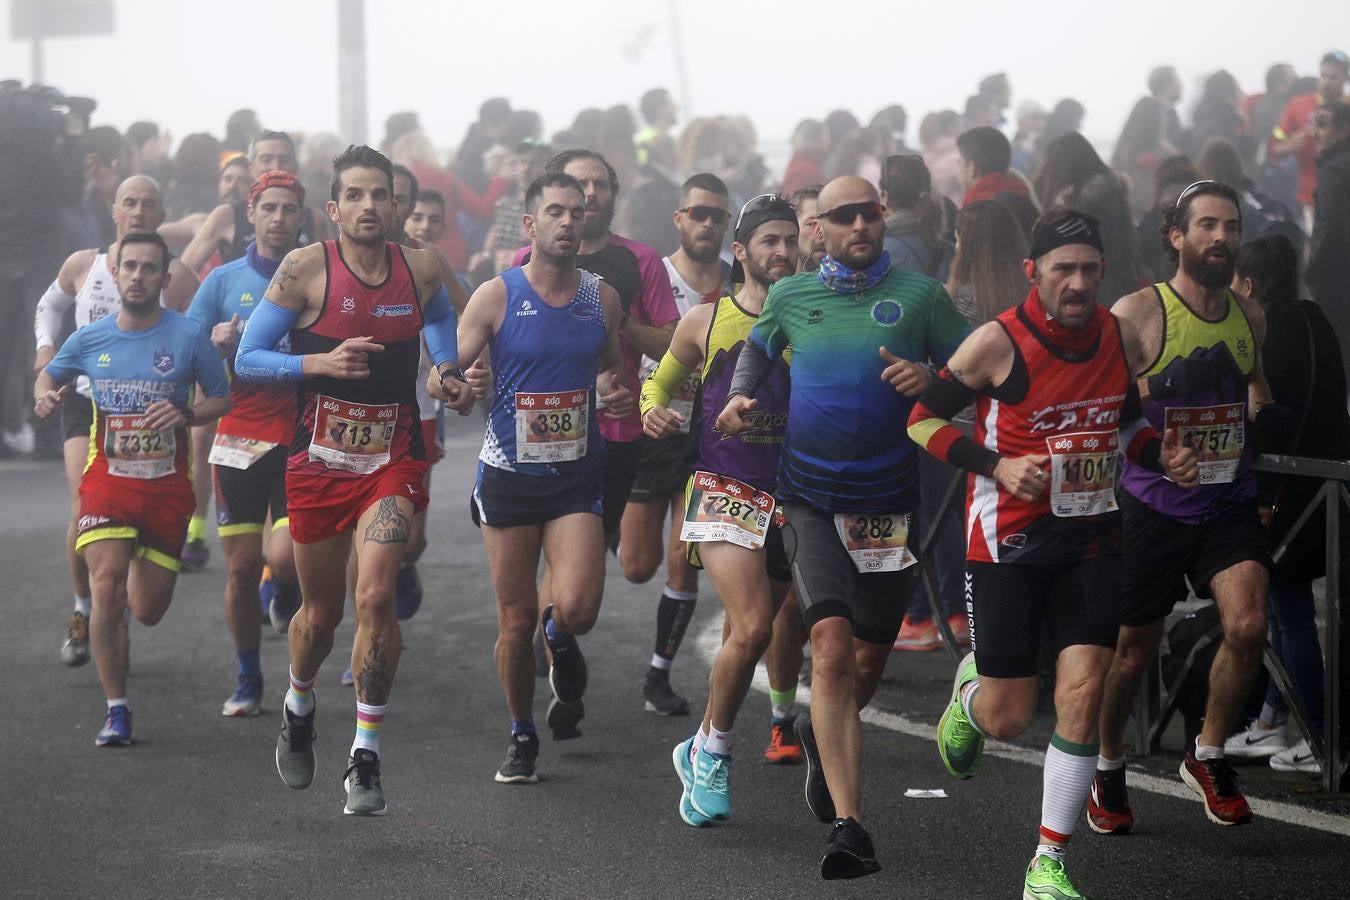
(267, 589)
(246, 699)
(685, 769)
(347, 680)
(116, 729)
(285, 604)
(407, 592)
(710, 794)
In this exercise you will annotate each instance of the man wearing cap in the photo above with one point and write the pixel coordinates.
(1056, 405)
(248, 453)
(847, 477)
(742, 550)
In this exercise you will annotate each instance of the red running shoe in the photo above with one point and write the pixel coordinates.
(1108, 805)
(783, 749)
(1217, 784)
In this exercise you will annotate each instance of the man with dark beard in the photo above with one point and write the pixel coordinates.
(1205, 382)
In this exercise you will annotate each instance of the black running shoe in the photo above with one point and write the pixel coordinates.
(818, 797)
(521, 757)
(295, 749)
(567, 676)
(562, 719)
(365, 796)
(660, 697)
(848, 852)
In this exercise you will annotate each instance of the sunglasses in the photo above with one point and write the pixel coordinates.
(754, 204)
(704, 213)
(847, 214)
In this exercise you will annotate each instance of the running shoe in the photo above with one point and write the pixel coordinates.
(684, 768)
(75, 651)
(1215, 782)
(1255, 742)
(660, 697)
(1046, 881)
(407, 592)
(567, 675)
(848, 852)
(818, 798)
(116, 728)
(195, 555)
(783, 749)
(285, 603)
(346, 679)
(562, 719)
(365, 797)
(959, 744)
(267, 588)
(960, 627)
(710, 794)
(1298, 758)
(1108, 803)
(918, 636)
(246, 699)
(521, 756)
(295, 749)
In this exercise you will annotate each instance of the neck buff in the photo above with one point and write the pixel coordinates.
(1076, 341)
(842, 280)
(261, 264)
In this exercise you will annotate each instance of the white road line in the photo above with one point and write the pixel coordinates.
(710, 638)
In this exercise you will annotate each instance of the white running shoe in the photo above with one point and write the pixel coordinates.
(1255, 742)
(1298, 758)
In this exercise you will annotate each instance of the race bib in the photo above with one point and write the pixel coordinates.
(237, 452)
(354, 437)
(551, 427)
(1217, 434)
(877, 542)
(1083, 473)
(135, 451)
(724, 509)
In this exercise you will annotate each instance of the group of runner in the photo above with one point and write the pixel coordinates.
(771, 438)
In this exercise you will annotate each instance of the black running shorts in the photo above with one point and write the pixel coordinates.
(663, 468)
(245, 496)
(77, 416)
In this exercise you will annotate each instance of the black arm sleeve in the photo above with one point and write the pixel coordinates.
(752, 368)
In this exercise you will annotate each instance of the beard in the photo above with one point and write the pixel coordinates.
(140, 308)
(761, 276)
(596, 223)
(1211, 274)
(861, 260)
(701, 253)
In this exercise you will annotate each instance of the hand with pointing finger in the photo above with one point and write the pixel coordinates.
(349, 360)
(1024, 477)
(908, 378)
(616, 398)
(225, 335)
(1179, 463)
(50, 401)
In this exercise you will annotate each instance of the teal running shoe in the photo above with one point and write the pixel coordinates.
(685, 769)
(710, 793)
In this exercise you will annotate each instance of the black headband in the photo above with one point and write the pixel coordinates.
(1077, 228)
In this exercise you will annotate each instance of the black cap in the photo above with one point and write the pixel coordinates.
(1059, 228)
(755, 212)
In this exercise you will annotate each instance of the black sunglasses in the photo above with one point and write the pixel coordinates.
(847, 214)
(704, 213)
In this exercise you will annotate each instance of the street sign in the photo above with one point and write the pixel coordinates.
(40, 19)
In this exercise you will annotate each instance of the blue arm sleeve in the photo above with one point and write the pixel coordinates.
(439, 328)
(256, 360)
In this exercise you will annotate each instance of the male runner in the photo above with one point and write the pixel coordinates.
(848, 476)
(1056, 405)
(251, 443)
(85, 282)
(136, 491)
(550, 328)
(807, 203)
(354, 308)
(697, 276)
(743, 555)
(1204, 378)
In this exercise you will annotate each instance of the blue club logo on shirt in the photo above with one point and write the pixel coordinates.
(163, 362)
(887, 313)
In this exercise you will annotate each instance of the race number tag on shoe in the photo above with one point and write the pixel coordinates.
(134, 451)
(550, 427)
(877, 542)
(1217, 434)
(724, 509)
(1083, 473)
(237, 452)
(352, 436)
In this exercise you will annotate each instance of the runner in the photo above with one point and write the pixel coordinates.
(86, 283)
(354, 309)
(738, 543)
(1055, 407)
(848, 477)
(807, 203)
(550, 327)
(248, 454)
(135, 494)
(1203, 344)
(697, 276)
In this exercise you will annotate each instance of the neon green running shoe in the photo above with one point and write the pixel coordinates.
(1046, 881)
(959, 744)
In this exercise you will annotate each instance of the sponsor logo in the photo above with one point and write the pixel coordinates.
(583, 312)
(815, 317)
(104, 360)
(348, 305)
(88, 522)
(246, 299)
(392, 310)
(887, 313)
(1015, 541)
(526, 309)
(1098, 412)
(163, 362)
(1242, 346)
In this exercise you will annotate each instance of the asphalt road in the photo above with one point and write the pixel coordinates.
(195, 808)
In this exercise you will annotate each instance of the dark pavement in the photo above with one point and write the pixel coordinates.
(195, 808)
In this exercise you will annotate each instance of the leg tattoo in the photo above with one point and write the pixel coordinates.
(372, 686)
(389, 525)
